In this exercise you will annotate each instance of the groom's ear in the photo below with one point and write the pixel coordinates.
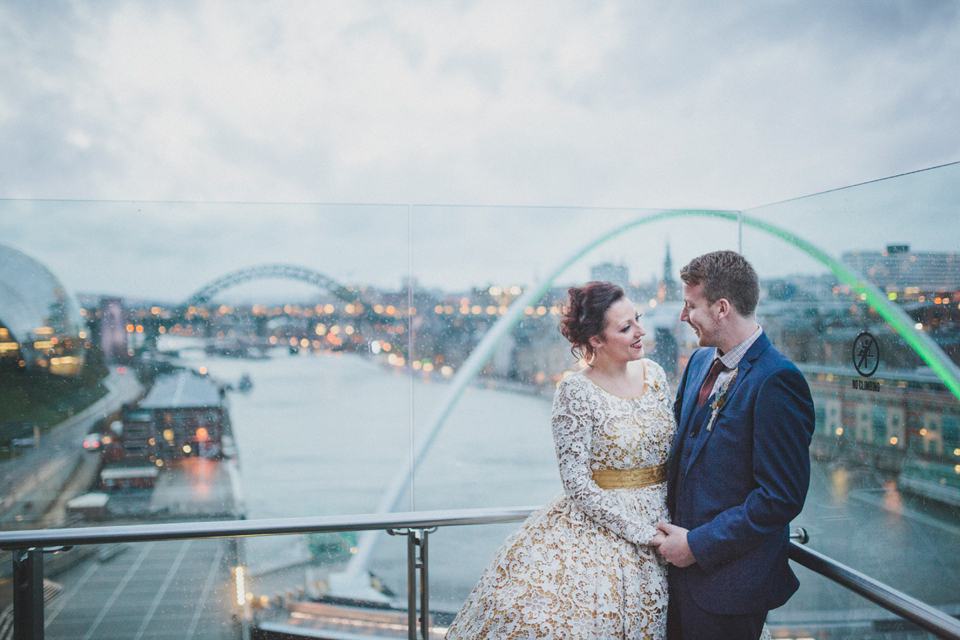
(723, 308)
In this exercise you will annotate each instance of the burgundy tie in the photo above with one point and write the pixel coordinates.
(707, 388)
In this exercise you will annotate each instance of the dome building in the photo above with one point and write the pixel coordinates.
(40, 323)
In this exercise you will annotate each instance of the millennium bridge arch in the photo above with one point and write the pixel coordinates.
(267, 271)
(922, 344)
(352, 577)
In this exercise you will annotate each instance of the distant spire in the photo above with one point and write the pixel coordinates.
(668, 267)
(668, 286)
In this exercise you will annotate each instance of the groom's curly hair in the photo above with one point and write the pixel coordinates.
(725, 274)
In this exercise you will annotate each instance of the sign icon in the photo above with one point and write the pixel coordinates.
(866, 354)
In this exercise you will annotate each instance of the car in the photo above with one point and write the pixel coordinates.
(92, 442)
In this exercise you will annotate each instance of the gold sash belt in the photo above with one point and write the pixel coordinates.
(630, 478)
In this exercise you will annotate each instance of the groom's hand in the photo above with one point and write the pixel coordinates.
(673, 546)
(658, 539)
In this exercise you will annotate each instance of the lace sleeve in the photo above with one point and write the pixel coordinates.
(573, 424)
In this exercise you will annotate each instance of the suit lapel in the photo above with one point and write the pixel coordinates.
(743, 370)
(691, 392)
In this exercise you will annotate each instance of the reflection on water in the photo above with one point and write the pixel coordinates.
(839, 485)
(202, 476)
(892, 500)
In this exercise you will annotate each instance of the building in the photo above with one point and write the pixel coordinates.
(894, 415)
(618, 274)
(40, 323)
(183, 415)
(901, 271)
(113, 330)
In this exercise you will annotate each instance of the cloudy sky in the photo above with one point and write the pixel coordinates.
(559, 104)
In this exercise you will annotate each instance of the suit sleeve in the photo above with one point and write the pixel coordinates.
(572, 434)
(783, 422)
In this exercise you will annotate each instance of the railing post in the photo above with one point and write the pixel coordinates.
(28, 594)
(424, 588)
(411, 584)
(417, 565)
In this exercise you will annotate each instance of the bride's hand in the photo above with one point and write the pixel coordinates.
(674, 545)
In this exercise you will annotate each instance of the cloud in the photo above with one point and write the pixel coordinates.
(569, 103)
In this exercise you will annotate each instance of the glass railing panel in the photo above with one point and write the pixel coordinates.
(287, 314)
(885, 488)
(330, 420)
(153, 257)
(490, 258)
(472, 265)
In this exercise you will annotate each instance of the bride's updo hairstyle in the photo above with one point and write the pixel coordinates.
(585, 316)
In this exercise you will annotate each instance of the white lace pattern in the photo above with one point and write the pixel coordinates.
(580, 567)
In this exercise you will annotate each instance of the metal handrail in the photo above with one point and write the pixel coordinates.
(923, 615)
(248, 528)
(28, 548)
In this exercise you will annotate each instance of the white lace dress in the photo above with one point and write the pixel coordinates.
(581, 567)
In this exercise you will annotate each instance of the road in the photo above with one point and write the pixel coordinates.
(32, 482)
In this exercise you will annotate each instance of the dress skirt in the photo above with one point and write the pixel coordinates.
(561, 575)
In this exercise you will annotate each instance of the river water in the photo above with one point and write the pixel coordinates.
(325, 434)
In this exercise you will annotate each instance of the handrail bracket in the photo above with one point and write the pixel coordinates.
(417, 567)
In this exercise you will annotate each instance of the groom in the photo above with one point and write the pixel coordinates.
(740, 465)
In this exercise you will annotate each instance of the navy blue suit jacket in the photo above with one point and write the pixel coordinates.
(737, 487)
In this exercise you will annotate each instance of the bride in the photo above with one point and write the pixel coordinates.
(582, 565)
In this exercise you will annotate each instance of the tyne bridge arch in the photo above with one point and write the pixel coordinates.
(269, 271)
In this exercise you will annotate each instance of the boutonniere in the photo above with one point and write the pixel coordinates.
(720, 398)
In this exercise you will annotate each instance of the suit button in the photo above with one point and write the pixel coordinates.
(686, 454)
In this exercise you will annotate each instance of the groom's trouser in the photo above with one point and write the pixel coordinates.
(687, 621)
